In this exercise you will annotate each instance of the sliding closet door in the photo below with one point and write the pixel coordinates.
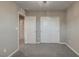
(49, 30)
(30, 29)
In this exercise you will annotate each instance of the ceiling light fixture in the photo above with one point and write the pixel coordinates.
(44, 2)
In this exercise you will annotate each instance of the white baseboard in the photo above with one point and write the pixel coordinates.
(44, 42)
(13, 52)
(61, 42)
(38, 43)
(33, 43)
(72, 49)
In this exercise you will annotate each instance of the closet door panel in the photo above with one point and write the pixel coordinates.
(49, 30)
(30, 29)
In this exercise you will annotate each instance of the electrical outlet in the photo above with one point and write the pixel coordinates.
(4, 50)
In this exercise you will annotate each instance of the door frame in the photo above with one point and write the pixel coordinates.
(17, 28)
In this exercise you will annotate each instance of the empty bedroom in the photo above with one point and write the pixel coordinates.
(39, 28)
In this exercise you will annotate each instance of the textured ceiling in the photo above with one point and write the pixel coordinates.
(40, 6)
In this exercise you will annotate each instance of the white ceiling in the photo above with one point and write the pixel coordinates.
(40, 6)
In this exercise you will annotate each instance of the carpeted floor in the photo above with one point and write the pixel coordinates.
(45, 50)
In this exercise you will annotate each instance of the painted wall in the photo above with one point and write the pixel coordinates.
(60, 14)
(8, 24)
(73, 26)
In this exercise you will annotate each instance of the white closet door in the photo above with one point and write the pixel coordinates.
(49, 29)
(30, 29)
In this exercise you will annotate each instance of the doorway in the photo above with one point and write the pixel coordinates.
(21, 31)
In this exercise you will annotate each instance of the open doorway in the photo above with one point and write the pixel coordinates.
(21, 31)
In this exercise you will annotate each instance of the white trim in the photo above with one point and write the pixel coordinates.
(19, 13)
(18, 30)
(43, 42)
(13, 52)
(59, 28)
(49, 42)
(61, 42)
(37, 42)
(72, 49)
(33, 43)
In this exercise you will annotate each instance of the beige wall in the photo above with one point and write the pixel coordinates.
(8, 24)
(60, 14)
(73, 26)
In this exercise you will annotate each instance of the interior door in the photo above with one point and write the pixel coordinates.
(49, 29)
(30, 29)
